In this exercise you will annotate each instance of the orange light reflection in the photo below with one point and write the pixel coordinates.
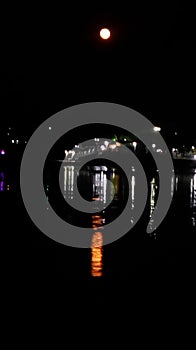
(97, 247)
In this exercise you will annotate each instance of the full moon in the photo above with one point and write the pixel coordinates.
(105, 33)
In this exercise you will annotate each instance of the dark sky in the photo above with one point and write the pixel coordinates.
(52, 58)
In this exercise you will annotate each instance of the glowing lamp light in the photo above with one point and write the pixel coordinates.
(157, 128)
(2, 152)
(134, 145)
(103, 147)
(105, 33)
(112, 146)
(106, 143)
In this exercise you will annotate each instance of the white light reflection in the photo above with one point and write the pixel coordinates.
(152, 196)
(69, 181)
(100, 186)
(132, 195)
(193, 191)
(114, 186)
(193, 199)
(153, 188)
(172, 184)
(132, 191)
(176, 183)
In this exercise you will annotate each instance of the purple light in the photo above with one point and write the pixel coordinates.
(2, 186)
(2, 152)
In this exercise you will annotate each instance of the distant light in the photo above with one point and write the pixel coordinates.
(2, 152)
(50, 128)
(134, 145)
(103, 147)
(8, 134)
(153, 145)
(157, 128)
(193, 147)
(12, 141)
(96, 139)
(159, 150)
(17, 141)
(125, 139)
(176, 133)
(106, 143)
(112, 146)
(2, 186)
(105, 33)
(194, 156)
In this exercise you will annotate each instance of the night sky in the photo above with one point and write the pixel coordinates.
(53, 58)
